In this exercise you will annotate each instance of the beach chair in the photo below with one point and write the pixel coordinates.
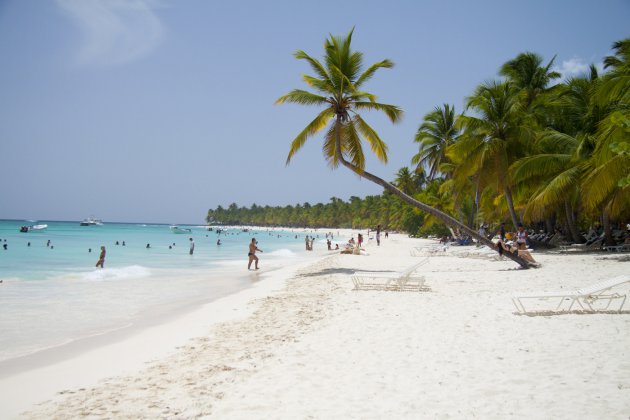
(434, 249)
(391, 280)
(585, 298)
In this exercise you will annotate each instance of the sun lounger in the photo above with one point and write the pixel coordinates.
(391, 280)
(423, 251)
(585, 298)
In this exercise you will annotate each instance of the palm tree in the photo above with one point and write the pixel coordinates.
(406, 181)
(339, 83)
(528, 75)
(436, 133)
(493, 140)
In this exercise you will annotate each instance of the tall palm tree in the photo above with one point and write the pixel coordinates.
(339, 82)
(527, 74)
(494, 139)
(436, 133)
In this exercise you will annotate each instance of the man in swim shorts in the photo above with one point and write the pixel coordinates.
(252, 254)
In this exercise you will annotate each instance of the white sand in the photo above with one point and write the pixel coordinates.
(316, 349)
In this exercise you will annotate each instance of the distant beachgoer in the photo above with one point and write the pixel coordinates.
(192, 246)
(148, 246)
(502, 231)
(252, 253)
(329, 244)
(219, 242)
(28, 244)
(386, 234)
(521, 237)
(360, 239)
(101, 258)
(48, 243)
(89, 249)
(336, 246)
(4, 246)
(117, 243)
(308, 243)
(378, 235)
(124, 244)
(170, 247)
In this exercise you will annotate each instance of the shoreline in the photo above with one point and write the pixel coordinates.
(306, 345)
(151, 335)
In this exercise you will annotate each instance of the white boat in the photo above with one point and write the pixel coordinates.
(33, 228)
(177, 229)
(90, 221)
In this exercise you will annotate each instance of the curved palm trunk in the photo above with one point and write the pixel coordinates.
(448, 220)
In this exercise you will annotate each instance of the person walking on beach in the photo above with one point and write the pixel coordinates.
(192, 246)
(378, 235)
(101, 258)
(252, 254)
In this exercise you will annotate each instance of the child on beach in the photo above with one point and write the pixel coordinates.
(252, 254)
(101, 258)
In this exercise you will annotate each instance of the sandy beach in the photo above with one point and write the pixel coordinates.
(303, 344)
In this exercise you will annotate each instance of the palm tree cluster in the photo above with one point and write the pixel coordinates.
(524, 150)
(554, 156)
(356, 213)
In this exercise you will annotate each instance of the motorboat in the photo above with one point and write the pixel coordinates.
(177, 229)
(33, 228)
(90, 221)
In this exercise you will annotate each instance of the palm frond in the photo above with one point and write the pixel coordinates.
(367, 74)
(378, 146)
(315, 64)
(312, 128)
(393, 112)
(302, 97)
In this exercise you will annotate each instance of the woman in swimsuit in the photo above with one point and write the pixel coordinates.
(101, 258)
(252, 254)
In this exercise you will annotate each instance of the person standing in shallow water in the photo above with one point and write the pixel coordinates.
(252, 254)
(101, 258)
(192, 246)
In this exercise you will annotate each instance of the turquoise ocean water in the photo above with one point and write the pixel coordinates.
(52, 294)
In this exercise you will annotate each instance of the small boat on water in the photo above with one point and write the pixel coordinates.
(177, 229)
(90, 221)
(33, 228)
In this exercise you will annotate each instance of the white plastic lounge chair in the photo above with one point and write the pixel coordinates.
(434, 249)
(391, 280)
(585, 297)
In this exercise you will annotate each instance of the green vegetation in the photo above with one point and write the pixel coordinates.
(523, 151)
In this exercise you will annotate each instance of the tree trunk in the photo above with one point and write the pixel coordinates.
(448, 220)
(510, 203)
(607, 229)
(571, 223)
(549, 225)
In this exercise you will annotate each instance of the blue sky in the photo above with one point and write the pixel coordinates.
(143, 110)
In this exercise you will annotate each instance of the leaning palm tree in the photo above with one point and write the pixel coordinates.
(339, 83)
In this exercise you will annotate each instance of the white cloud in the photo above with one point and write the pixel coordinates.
(576, 67)
(115, 31)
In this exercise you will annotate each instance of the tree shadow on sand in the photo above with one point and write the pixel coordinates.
(329, 272)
